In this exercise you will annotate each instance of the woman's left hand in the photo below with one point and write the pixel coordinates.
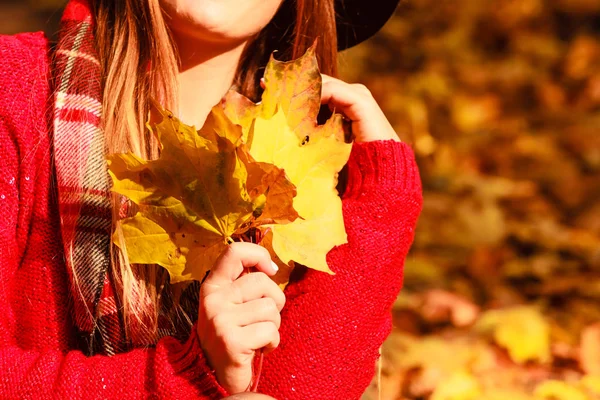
(357, 104)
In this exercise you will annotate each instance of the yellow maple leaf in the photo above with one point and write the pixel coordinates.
(282, 130)
(312, 166)
(193, 199)
(293, 87)
(277, 206)
(266, 168)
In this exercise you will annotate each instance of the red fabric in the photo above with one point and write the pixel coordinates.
(331, 327)
(77, 10)
(83, 186)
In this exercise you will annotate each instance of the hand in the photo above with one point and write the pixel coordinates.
(357, 104)
(239, 313)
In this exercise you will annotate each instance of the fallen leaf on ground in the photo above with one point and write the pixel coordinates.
(590, 349)
(522, 331)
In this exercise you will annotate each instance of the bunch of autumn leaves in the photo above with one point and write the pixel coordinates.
(261, 172)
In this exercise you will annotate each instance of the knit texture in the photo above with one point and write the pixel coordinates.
(332, 326)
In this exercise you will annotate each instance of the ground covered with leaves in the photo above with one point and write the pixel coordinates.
(501, 100)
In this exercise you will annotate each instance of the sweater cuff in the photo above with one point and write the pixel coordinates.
(192, 364)
(381, 164)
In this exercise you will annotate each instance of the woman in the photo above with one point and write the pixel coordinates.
(76, 319)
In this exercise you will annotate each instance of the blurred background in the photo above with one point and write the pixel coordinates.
(501, 101)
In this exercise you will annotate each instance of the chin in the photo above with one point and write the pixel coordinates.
(223, 21)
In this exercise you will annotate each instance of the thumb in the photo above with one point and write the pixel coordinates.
(235, 258)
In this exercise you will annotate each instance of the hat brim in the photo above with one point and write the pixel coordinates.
(358, 20)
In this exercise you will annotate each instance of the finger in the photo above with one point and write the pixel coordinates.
(359, 86)
(260, 310)
(257, 285)
(356, 102)
(343, 98)
(330, 85)
(261, 335)
(328, 78)
(235, 258)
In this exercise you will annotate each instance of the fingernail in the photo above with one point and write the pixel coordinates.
(275, 267)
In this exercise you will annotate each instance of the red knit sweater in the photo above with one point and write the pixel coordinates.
(332, 326)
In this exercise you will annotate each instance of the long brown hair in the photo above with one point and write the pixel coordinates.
(132, 35)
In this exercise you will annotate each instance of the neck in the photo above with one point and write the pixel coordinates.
(207, 72)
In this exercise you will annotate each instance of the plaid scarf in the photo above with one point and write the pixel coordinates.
(84, 195)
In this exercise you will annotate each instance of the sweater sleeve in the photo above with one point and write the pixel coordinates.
(172, 370)
(332, 326)
(36, 333)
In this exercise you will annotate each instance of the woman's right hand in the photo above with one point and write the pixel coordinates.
(239, 313)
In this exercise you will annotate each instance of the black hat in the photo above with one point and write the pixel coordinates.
(356, 20)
